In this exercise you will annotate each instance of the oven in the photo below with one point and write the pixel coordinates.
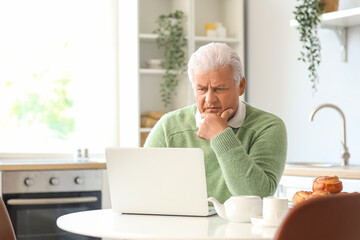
(35, 199)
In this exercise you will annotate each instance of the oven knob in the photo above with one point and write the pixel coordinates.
(79, 180)
(54, 181)
(29, 181)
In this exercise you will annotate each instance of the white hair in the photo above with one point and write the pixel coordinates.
(213, 56)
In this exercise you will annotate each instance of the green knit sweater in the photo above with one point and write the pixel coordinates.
(248, 160)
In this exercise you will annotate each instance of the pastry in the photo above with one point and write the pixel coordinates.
(326, 183)
(301, 196)
(319, 194)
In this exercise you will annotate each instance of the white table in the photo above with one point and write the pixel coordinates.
(108, 224)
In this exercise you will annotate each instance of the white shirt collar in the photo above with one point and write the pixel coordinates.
(235, 122)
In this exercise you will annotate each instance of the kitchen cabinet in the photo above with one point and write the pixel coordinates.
(139, 85)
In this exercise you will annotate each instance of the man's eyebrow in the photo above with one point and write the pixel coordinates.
(220, 86)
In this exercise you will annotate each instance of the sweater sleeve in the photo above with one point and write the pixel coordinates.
(258, 171)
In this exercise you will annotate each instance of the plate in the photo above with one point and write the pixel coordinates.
(258, 220)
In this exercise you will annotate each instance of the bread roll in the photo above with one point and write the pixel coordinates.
(326, 183)
(301, 196)
(319, 194)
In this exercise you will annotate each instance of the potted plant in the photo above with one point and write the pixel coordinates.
(172, 39)
(307, 14)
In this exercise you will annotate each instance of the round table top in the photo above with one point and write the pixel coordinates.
(109, 224)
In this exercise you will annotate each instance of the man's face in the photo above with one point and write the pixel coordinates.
(215, 91)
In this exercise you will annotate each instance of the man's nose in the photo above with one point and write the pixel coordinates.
(210, 97)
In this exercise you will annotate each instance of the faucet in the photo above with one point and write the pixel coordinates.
(345, 152)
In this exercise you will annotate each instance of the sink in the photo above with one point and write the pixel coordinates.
(309, 164)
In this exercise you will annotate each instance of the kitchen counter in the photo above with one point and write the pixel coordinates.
(52, 164)
(350, 172)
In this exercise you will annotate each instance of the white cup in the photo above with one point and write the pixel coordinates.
(274, 209)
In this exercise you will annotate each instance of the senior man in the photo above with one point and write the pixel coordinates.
(244, 147)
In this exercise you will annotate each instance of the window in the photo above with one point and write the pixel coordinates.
(57, 76)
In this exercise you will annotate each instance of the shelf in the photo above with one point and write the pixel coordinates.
(145, 130)
(148, 37)
(343, 18)
(139, 45)
(200, 39)
(338, 21)
(154, 71)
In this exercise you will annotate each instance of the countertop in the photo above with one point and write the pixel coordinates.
(50, 164)
(350, 172)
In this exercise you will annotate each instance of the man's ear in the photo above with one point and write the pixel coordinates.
(242, 86)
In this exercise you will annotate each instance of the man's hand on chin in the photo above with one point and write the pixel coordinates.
(213, 124)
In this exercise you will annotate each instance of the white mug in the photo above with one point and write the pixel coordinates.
(274, 209)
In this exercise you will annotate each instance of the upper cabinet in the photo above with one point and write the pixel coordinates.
(139, 74)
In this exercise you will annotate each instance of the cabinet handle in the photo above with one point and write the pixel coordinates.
(50, 201)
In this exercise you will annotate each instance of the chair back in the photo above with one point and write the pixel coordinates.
(330, 217)
(6, 228)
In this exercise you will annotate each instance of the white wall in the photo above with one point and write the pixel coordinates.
(278, 83)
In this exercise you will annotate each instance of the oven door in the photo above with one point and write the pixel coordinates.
(34, 215)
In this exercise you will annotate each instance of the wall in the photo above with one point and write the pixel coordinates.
(278, 83)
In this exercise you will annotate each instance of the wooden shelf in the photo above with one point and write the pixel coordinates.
(343, 18)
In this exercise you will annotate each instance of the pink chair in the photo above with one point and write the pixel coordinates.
(6, 228)
(335, 217)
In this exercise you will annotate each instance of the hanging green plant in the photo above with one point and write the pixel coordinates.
(307, 14)
(172, 39)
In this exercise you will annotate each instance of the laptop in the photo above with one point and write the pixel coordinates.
(164, 181)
